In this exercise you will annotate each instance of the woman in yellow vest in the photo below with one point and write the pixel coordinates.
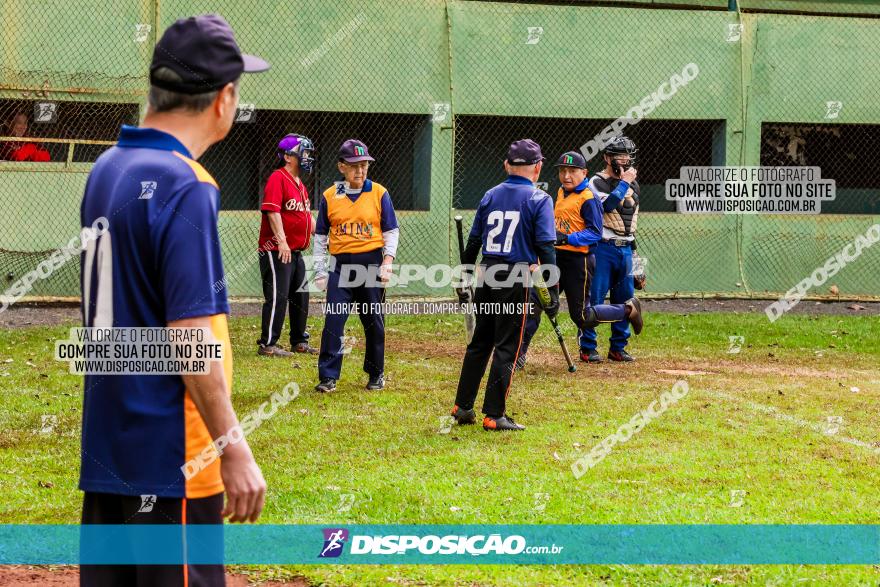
(357, 225)
(578, 217)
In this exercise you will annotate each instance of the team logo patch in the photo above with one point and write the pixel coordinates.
(334, 541)
(359, 151)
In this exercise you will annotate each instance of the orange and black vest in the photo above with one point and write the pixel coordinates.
(568, 215)
(355, 227)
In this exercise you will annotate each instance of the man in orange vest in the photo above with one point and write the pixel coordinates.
(578, 217)
(357, 225)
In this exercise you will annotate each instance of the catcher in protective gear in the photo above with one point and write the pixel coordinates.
(617, 189)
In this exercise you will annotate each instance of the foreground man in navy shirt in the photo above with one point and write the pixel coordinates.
(156, 266)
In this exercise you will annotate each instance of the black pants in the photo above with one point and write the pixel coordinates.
(497, 335)
(280, 284)
(105, 508)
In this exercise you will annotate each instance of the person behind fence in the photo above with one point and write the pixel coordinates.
(17, 127)
(513, 228)
(357, 225)
(285, 232)
(617, 189)
(156, 266)
(578, 216)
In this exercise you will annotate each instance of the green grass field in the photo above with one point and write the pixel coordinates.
(743, 447)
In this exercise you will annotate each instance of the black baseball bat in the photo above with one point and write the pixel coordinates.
(544, 298)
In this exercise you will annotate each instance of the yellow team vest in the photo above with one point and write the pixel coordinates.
(355, 227)
(568, 215)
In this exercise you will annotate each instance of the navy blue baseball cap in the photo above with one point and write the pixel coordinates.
(524, 152)
(354, 151)
(203, 52)
(572, 159)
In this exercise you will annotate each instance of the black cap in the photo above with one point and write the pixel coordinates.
(354, 151)
(203, 52)
(524, 152)
(572, 159)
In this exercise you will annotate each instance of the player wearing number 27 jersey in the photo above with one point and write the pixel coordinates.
(513, 228)
(511, 219)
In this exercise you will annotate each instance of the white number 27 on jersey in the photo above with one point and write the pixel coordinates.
(496, 222)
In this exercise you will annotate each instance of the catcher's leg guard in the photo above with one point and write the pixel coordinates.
(591, 318)
(600, 313)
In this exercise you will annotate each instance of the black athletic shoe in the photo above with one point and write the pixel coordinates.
(376, 383)
(463, 416)
(501, 424)
(621, 356)
(327, 385)
(635, 315)
(591, 356)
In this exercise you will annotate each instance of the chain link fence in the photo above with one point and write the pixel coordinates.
(438, 89)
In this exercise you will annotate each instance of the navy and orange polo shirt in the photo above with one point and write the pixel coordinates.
(158, 262)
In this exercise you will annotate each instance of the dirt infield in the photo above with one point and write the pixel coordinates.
(64, 576)
(27, 314)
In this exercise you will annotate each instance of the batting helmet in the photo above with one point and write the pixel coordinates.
(300, 147)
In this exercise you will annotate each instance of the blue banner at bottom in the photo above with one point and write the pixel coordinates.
(441, 544)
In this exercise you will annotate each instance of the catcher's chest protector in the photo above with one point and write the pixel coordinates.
(623, 219)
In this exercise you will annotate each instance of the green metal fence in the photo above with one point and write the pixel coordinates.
(437, 89)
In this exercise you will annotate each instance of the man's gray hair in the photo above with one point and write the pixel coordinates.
(166, 100)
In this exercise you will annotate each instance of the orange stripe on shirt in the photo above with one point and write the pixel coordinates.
(206, 482)
(200, 172)
(183, 524)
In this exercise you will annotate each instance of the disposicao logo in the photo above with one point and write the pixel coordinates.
(334, 540)
(443, 545)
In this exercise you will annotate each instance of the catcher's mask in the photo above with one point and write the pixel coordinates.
(300, 147)
(621, 146)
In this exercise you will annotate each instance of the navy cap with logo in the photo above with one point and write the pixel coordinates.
(203, 52)
(354, 151)
(524, 152)
(572, 159)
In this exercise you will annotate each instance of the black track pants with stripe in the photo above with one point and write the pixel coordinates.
(498, 335)
(280, 284)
